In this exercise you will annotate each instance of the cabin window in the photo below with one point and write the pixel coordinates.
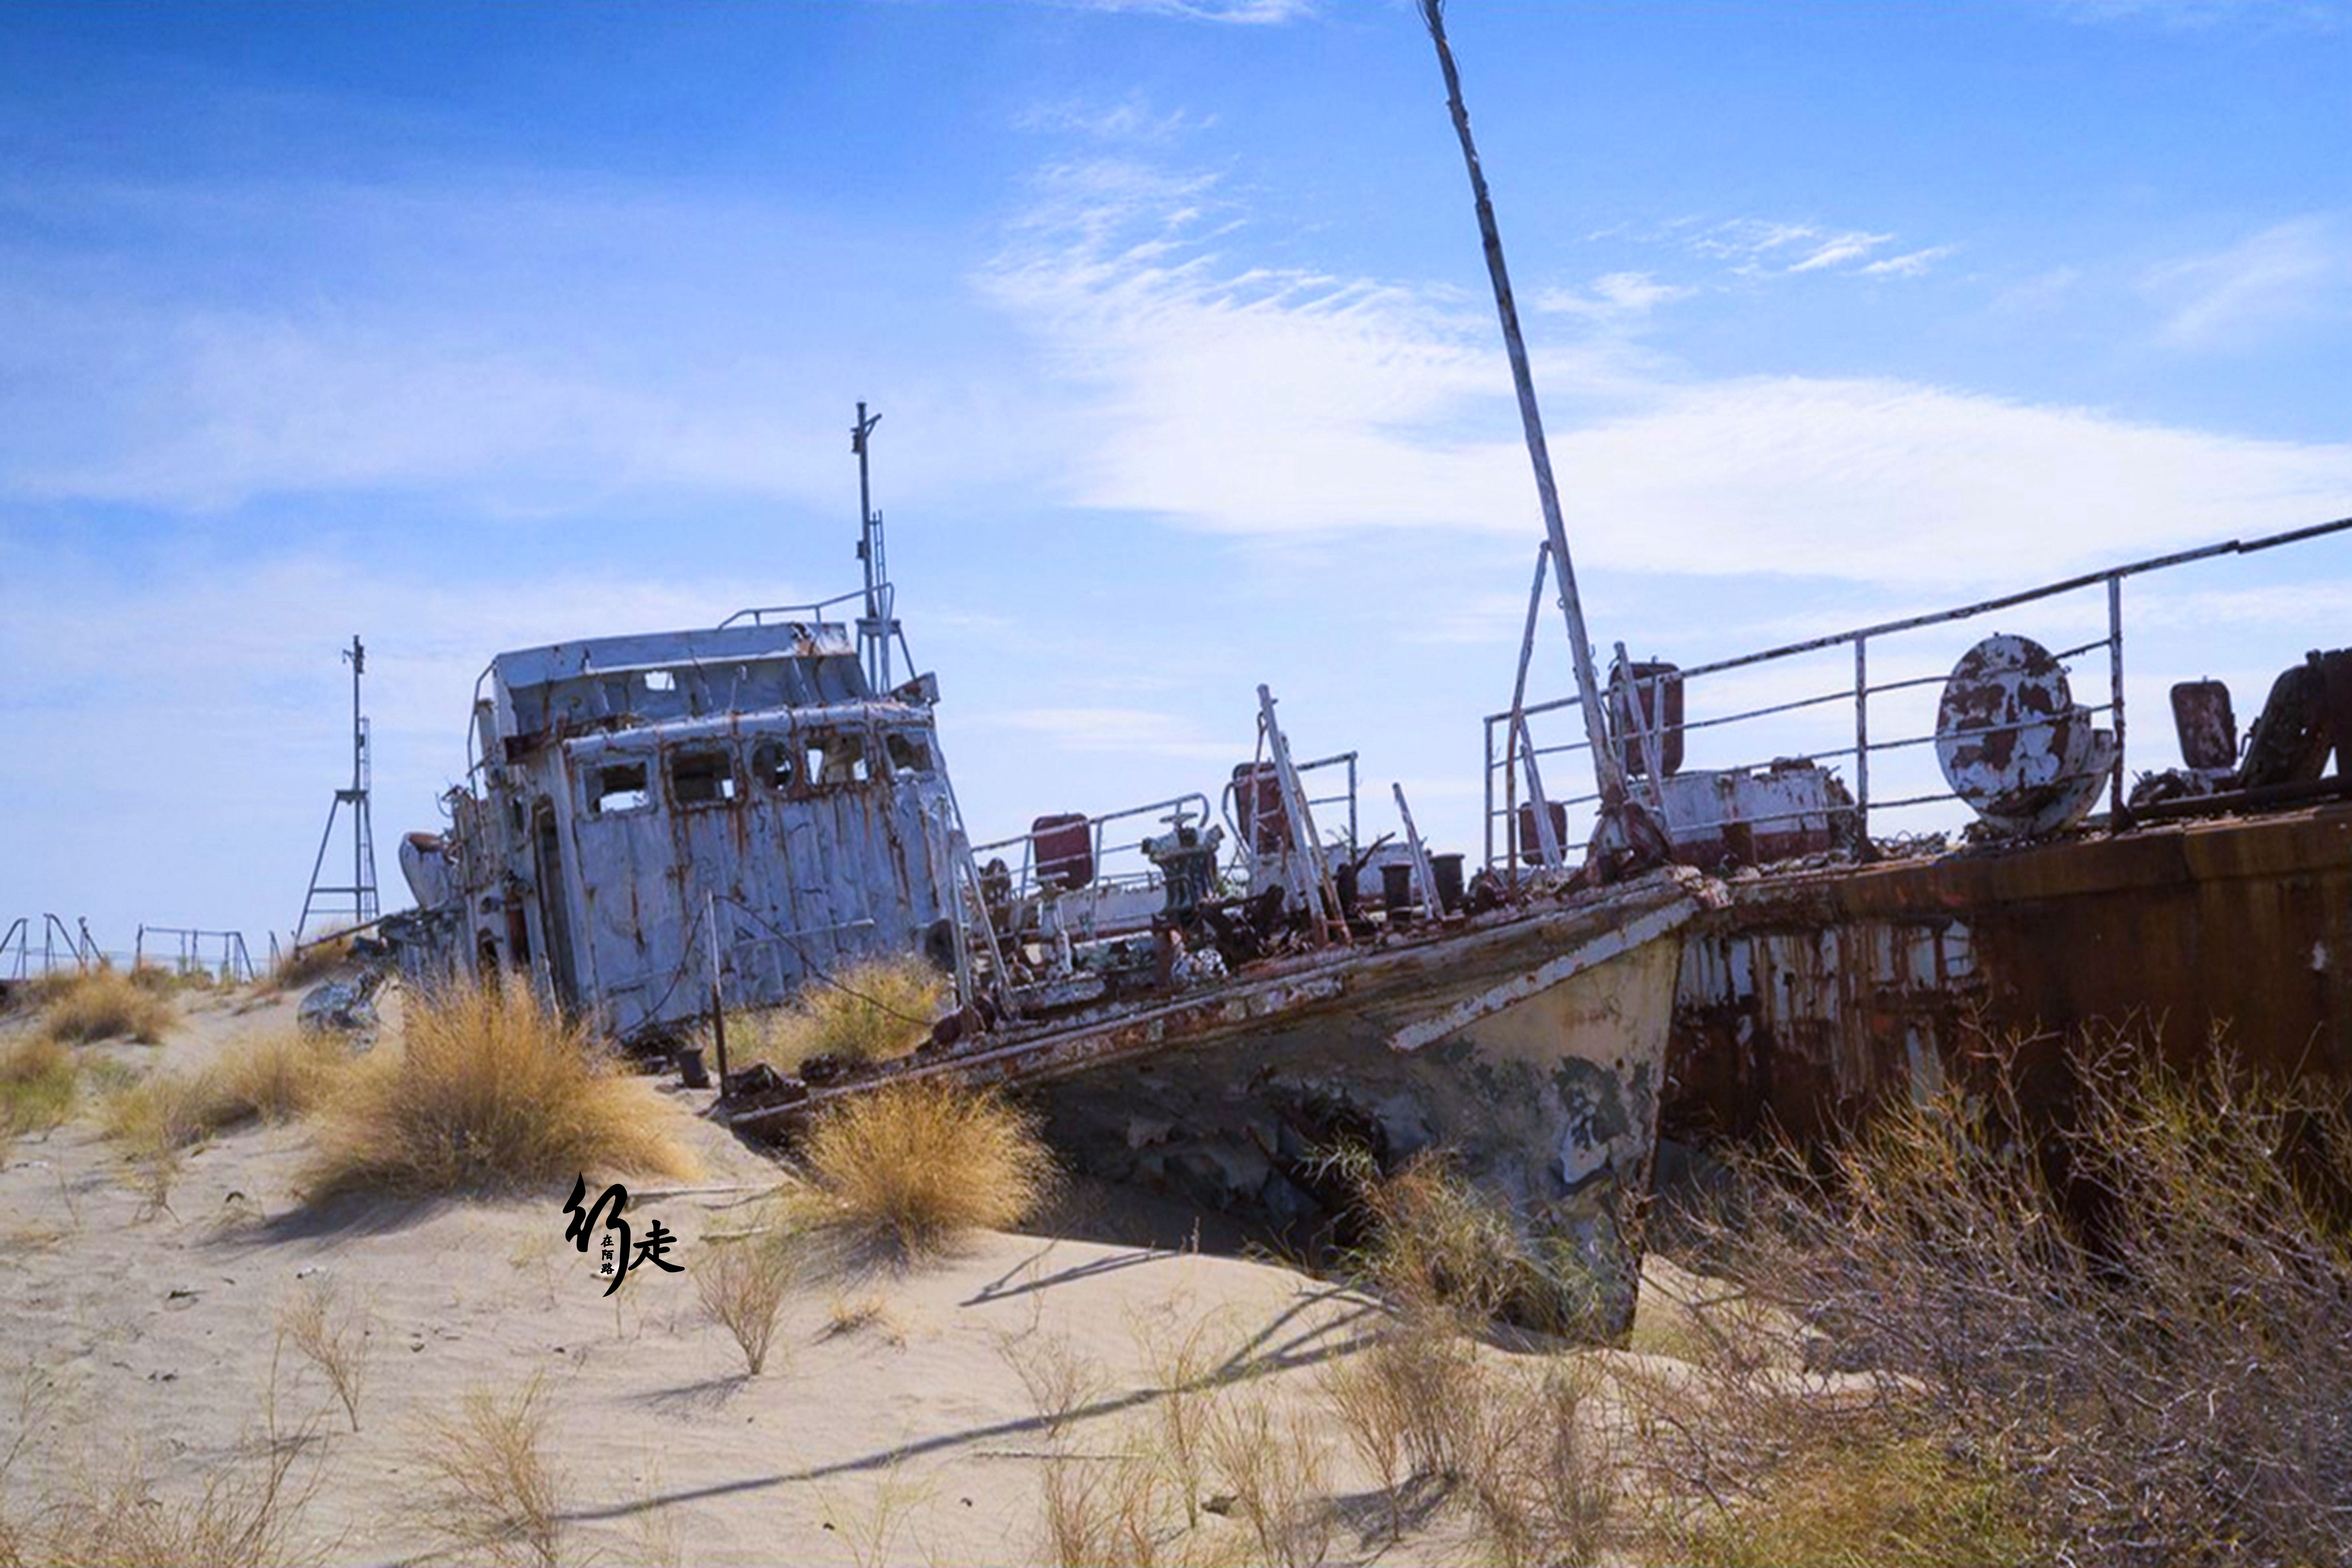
(660, 680)
(843, 760)
(909, 753)
(617, 787)
(701, 777)
(773, 765)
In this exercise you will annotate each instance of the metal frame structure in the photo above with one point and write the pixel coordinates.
(1513, 753)
(365, 907)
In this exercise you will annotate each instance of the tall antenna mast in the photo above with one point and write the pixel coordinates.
(876, 629)
(361, 893)
(1607, 769)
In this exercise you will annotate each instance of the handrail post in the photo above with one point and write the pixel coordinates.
(1862, 741)
(2116, 681)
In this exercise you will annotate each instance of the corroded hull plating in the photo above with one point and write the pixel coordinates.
(1530, 1045)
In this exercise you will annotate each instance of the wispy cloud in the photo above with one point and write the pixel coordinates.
(1615, 297)
(1132, 119)
(1839, 250)
(152, 353)
(1262, 403)
(2291, 273)
(1247, 13)
(1908, 265)
(2199, 15)
(1757, 247)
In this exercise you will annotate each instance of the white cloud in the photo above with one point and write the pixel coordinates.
(1276, 404)
(1839, 249)
(2289, 274)
(1131, 120)
(1615, 297)
(1248, 13)
(1908, 265)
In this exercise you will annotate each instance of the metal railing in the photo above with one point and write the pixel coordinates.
(59, 946)
(187, 952)
(1339, 798)
(1026, 880)
(1517, 747)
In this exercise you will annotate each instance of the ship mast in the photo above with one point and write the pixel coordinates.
(1608, 772)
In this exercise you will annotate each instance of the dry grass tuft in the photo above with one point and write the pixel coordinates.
(1058, 1377)
(876, 1010)
(1275, 1468)
(742, 1285)
(493, 1495)
(276, 1077)
(154, 1118)
(1892, 1502)
(38, 1086)
(1440, 1247)
(313, 961)
(491, 1091)
(249, 1513)
(105, 1004)
(334, 1341)
(909, 1167)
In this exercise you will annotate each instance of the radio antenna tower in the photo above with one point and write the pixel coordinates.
(361, 905)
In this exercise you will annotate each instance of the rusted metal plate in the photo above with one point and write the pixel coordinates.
(1811, 995)
(2206, 724)
(2014, 743)
(1064, 850)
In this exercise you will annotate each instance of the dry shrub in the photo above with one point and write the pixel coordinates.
(742, 1285)
(249, 1513)
(493, 1495)
(1867, 1502)
(1273, 1464)
(104, 1004)
(1186, 1367)
(847, 1317)
(912, 1166)
(1440, 1246)
(38, 1086)
(1057, 1376)
(1113, 1513)
(875, 1010)
(242, 1519)
(313, 961)
(2126, 1325)
(1429, 1419)
(334, 1338)
(491, 1091)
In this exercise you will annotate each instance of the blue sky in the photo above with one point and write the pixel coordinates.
(467, 328)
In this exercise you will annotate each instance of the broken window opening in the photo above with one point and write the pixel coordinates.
(843, 759)
(660, 680)
(701, 777)
(617, 787)
(909, 753)
(773, 766)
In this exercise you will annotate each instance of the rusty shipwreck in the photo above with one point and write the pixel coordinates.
(1674, 930)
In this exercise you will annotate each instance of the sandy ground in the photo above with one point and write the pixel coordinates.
(893, 1423)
